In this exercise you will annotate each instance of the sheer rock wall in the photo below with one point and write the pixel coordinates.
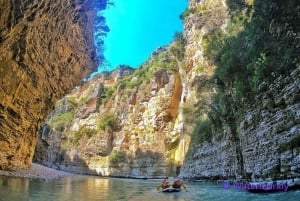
(269, 137)
(141, 141)
(46, 48)
(265, 142)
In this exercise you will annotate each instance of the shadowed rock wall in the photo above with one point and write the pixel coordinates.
(268, 134)
(264, 142)
(46, 48)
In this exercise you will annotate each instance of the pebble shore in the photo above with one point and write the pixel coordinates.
(36, 171)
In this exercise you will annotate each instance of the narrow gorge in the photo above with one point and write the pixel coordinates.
(221, 101)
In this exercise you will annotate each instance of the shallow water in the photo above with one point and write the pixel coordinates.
(84, 188)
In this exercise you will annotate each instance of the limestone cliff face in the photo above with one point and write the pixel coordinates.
(264, 141)
(122, 124)
(46, 48)
(268, 135)
(157, 120)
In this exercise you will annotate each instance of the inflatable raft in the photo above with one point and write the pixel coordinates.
(171, 190)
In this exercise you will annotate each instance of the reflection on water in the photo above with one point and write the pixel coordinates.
(84, 188)
(13, 188)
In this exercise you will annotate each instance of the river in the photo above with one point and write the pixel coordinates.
(90, 188)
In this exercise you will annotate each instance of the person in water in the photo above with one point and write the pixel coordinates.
(165, 184)
(178, 184)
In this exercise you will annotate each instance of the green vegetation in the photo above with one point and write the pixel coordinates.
(139, 76)
(202, 131)
(201, 8)
(83, 99)
(59, 120)
(200, 68)
(163, 60)
(178, 49)
(189, 113)
(117, 157)
(212, 43)
(72, 101)
(260, 42)
(64, 113)
(188, 11)
(84, 132)
(108, 122)
(108, 93)
(257, 45)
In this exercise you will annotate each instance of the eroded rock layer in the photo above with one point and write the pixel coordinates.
(46, 48)
(130, 131)
(263, 142)
(268, 136)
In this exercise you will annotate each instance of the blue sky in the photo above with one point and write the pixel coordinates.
(138, 27)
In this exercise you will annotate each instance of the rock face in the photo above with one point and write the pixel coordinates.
(264, 142)
(268, 134)
(46, 48)
(146, 123)
(118, 126)
(270, 130)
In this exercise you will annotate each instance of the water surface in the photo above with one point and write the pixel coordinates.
(89, 188)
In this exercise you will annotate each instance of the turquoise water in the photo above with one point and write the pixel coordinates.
(88, 188)
(138, 27)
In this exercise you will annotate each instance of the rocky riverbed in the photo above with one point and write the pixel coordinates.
(36, 171)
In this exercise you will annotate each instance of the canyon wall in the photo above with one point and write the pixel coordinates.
(268, 135)
(46, 48)
(152, 110)
(115, 126)
(264, 141)
(162, 118)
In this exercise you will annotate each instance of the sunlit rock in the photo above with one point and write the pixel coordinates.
(46, 48)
